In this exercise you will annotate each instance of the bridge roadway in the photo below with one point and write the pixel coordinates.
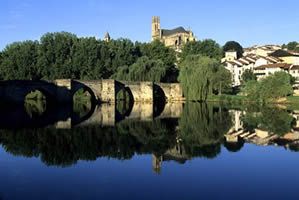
(105, 90)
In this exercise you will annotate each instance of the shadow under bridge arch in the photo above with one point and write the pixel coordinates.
(124, 100)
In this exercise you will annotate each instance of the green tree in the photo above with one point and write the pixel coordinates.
(122, 52)
(202, 128)
(271, 88)
(292, 46)
(19, 61)
(233, 46)
(1, 60)
(205, 48)
(54, 57)
(196, 75)
(143, 70)
(272, 119)
(248, 75)
(90, 59)
(156, 50)
(221, 80)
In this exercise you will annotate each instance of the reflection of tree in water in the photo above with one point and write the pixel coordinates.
(202, 127)
(66, 147)
(271, 119)
(156, 136)
(234, 146)
(35, 107)
(200, 133)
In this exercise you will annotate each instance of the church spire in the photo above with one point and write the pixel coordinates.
(107, 37)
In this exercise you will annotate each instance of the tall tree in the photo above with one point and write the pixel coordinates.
(158, 51)
(233, 46)
(90, 59)
(143, 70)
(54, 59)
(248, 75)
(207, 48)
(196, 74)
(271, 88)
(221, 80)
(19, 61)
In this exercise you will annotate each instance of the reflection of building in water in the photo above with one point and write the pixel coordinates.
(177, 154)
(263, 137)
(237, 129)
(236, 119)
(295, 114)
(157, 162)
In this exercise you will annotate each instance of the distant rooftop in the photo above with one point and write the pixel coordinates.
(168, 32)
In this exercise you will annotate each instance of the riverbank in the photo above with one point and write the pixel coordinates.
(235, 99)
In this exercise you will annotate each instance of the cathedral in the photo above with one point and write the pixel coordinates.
(174, 38)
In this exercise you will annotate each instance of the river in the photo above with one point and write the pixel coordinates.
(175, 151)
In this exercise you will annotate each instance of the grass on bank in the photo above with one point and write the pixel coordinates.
(234, 99)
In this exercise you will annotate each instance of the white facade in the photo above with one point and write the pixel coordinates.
(252, 62)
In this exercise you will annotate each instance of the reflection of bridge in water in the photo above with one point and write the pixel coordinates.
(108, 115)
(104, 115)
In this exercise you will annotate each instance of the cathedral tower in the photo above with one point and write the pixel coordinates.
(107, 37)
(156, 28)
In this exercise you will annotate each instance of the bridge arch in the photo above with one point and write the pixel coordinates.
(77, 85)
(48, 94)
(124, 100)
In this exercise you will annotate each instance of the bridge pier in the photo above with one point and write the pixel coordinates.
(172, 91)
(63, 90)
(141, 91)
(108, 92)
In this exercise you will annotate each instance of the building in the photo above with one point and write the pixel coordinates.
(266, 70)
(288, 57)
(253, 62)
(238, 67)
(230, 56)
(174, 38)
(264, 50)
(107, 37)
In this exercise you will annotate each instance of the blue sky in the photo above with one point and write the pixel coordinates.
(247, 21)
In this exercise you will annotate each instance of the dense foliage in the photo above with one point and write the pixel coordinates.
(292, 46)
(207, 48)
(202, 128)
(199, 75)
(271, 88)
(270, 119)
(248, 75)
(233, 46)
(64, 55)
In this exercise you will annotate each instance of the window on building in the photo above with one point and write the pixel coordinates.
(180, 40)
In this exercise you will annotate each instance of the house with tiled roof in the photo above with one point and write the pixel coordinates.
(287, 56)
(266, 70)
(238, 66)
(264, 50)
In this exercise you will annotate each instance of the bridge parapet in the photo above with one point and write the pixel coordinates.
(141, 91)
(172, 91)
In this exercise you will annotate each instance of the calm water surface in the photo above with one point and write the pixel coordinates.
(190, 151)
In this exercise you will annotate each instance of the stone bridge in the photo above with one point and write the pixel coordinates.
(106, 90)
